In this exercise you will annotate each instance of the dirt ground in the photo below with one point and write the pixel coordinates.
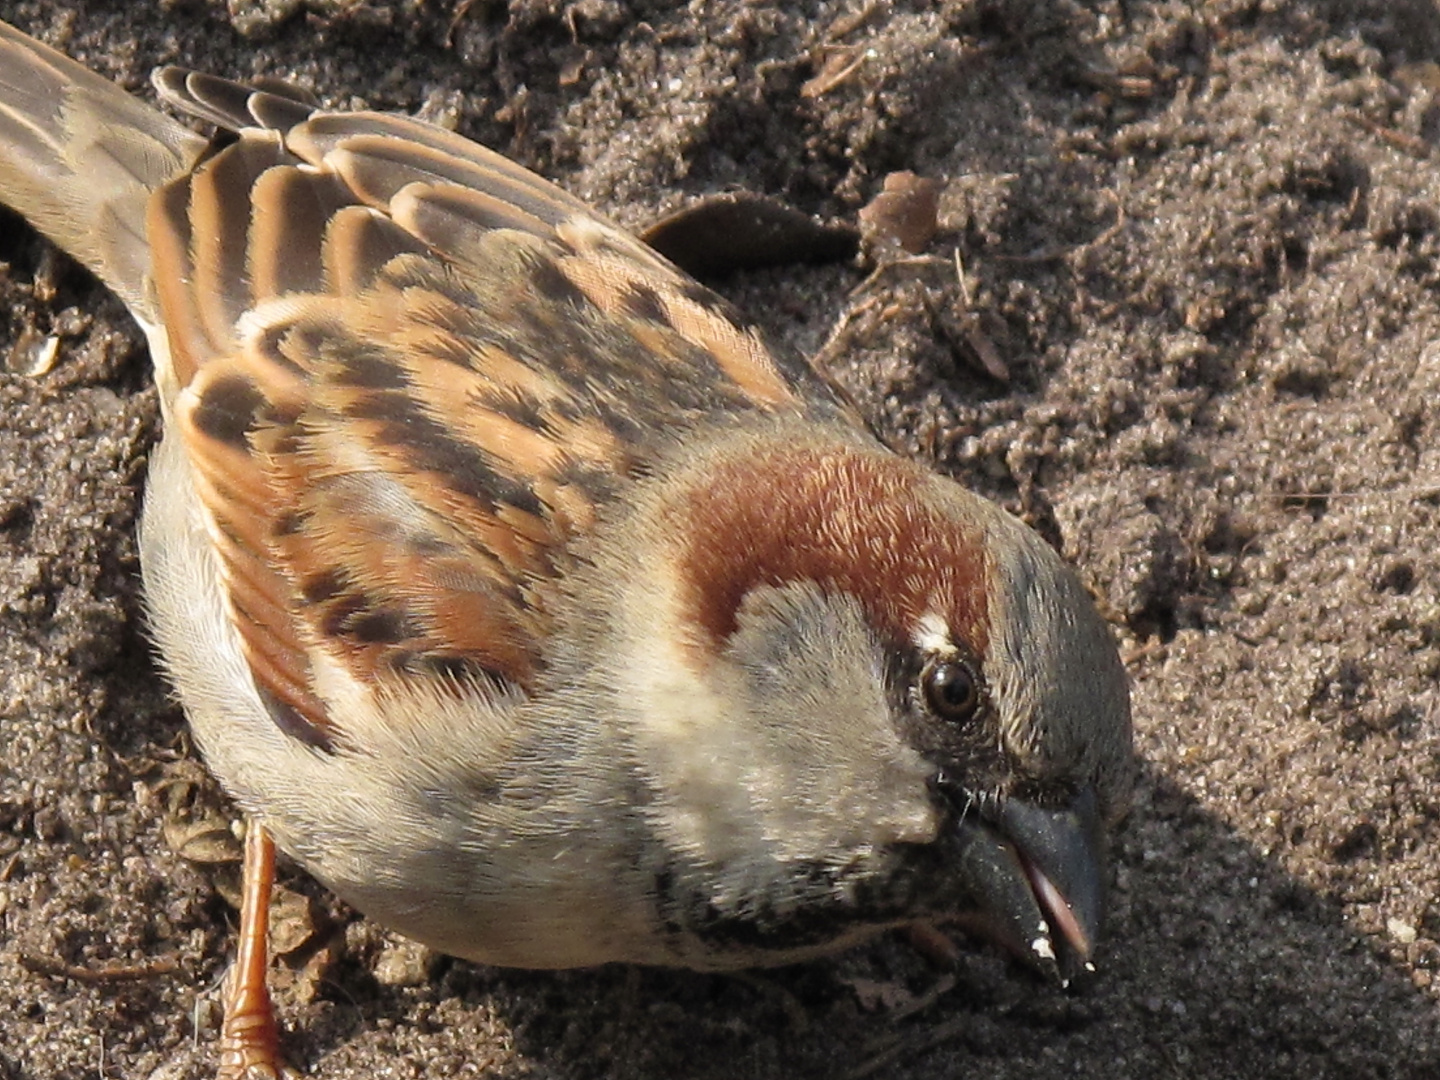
(1201, 244)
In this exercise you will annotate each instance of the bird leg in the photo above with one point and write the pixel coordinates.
(249, 1039)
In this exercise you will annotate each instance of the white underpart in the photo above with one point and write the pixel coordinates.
(370, 817)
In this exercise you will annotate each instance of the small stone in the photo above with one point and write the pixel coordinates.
(1401, 931)
(404, 963)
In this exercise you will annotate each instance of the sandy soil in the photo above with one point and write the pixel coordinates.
(1203, 243)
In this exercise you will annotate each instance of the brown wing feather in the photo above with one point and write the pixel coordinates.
(411, 373)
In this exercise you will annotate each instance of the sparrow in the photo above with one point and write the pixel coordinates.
(517, 589)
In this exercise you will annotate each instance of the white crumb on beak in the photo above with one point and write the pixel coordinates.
(932, 635)
(1042, 948)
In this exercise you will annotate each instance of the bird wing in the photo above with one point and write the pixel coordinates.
(408, 373)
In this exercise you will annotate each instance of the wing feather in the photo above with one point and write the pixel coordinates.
(411, 373)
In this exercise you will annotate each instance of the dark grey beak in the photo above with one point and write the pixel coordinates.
(1036, 881)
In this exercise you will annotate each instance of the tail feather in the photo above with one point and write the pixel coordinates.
(81, 160)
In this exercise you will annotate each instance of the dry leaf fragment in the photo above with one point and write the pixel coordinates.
(904, 214)
(740, 230)
(839, 63)
(875, 996)
(292, 921)
(208, 840)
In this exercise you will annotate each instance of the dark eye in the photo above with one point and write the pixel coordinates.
(951, 690)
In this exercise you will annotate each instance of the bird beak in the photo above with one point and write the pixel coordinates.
(1036, 881)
